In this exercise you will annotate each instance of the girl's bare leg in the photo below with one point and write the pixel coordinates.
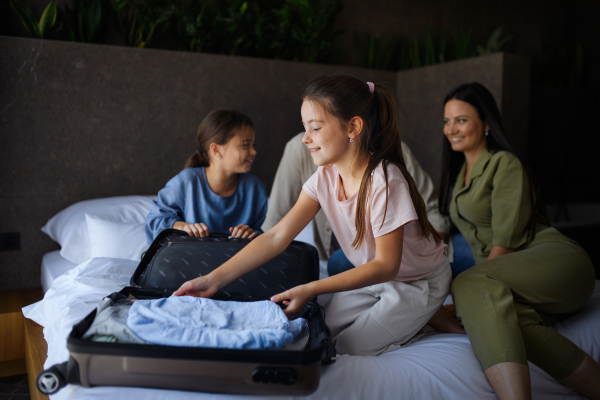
(444, 320)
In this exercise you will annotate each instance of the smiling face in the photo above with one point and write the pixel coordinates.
(239, 153)
(463, 127)
(326, 140)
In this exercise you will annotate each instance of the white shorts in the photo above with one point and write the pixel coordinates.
(381, 318)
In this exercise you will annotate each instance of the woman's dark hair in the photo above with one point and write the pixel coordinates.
(346, 97)
(217, 127)
(480, 97)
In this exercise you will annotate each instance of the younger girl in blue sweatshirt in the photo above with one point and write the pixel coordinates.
(214, 193)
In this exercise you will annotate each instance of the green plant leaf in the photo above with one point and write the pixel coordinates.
(47, 19)
(27, 18)
(429, 47)
(94, 20)
(413, 53)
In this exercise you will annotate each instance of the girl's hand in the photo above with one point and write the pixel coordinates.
(295, 299)
(197, 230)
(243, 232)
(199, 287)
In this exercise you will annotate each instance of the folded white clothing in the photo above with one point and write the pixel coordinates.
(198, 322)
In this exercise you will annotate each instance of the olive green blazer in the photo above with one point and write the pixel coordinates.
(493, 208)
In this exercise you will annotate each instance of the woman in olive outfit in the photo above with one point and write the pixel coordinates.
(528, 275)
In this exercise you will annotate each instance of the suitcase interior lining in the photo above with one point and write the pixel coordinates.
(177, 259)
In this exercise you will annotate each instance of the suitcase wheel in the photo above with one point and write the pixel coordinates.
(51, 380)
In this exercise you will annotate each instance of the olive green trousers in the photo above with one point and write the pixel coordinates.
(508, 303)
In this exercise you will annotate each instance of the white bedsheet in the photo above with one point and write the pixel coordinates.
(440, 366)
(53, 266)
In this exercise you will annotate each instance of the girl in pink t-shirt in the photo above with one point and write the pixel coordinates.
(376, 213)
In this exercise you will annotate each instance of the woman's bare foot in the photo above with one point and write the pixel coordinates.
(443, 321)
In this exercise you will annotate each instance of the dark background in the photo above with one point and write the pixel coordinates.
(560, 37)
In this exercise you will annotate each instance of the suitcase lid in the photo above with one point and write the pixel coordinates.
(175, 257)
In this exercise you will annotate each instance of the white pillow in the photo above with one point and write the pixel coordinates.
(116, 239)
(69, 227)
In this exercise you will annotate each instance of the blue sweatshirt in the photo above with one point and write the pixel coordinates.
(187, 197)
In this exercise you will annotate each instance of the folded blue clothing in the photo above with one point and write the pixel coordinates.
(198, 322)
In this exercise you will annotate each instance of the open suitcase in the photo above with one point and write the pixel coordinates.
(173, 258)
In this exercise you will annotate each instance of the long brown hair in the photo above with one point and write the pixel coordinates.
(346, 97)
(217, 127)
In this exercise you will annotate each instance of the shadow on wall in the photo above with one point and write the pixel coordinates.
(580, 222)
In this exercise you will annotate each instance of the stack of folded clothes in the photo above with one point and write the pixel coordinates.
(198, 322)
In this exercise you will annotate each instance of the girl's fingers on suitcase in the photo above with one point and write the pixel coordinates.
(197, 230)
(192, 230)
(233, 231)
(245, 231)
(199, 287)
(189, 229)
(241, 231)
(201, 230)
(295, 299)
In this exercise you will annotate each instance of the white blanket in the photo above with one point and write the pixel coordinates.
(439, 366)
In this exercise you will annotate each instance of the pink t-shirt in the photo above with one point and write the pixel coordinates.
(420, 257)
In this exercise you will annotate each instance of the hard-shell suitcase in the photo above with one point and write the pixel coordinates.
(173, 258)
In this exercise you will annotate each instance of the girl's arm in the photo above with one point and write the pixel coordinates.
(167, 209)
(256, 253)
(384, 267)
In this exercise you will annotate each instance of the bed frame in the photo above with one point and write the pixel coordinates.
(23, 347)
(36, 352)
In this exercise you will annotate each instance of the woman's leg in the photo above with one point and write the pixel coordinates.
(585, 379)
(442, 320)
(505, 304)
(510, 380)
(338, 262)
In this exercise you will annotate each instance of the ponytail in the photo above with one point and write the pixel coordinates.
(198, 159)
(346, 97)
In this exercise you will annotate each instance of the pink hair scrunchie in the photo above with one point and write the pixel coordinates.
(371, 87)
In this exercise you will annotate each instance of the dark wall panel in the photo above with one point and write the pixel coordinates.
(82, 121)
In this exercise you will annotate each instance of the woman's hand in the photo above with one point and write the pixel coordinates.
(295, 299)
(197, 230)
(199, 287)
(498, 251)
(243, 232)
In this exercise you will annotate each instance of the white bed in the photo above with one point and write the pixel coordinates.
(53, 266)
(439, 366)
